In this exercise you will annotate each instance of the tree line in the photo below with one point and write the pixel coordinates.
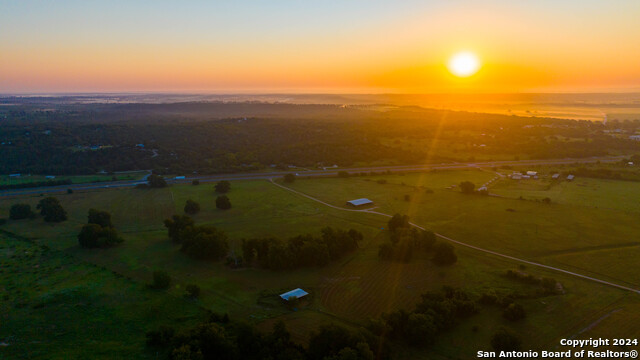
(221, 338)
(406, 240)
(300, 251)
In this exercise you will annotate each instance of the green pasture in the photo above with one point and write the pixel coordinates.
(565, 234)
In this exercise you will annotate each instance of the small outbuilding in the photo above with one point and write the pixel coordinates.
(359, 202)
(570, 177)
(298, 293)
(555, 176)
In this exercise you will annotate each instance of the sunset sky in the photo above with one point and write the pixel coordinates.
(318, 46)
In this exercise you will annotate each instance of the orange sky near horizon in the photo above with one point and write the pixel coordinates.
(399, 49)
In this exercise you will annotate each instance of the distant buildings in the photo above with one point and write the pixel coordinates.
(570, 177)
(635, 137)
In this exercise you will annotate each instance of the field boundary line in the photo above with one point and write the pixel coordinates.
(548, 267)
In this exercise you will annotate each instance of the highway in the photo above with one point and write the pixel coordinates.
(306, 173)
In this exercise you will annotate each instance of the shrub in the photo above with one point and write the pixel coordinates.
(514, 312)
(195, 182)
(161, 280)
(289, 178)
(223, 187)
(20, 211)
(193, 290)
(467, 187)
(223, 202)
(191, 207)
(95, 236)
(444, 254)
(99, 217)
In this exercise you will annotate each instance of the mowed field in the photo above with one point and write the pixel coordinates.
(360, 286)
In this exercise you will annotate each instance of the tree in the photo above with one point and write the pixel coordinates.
(514, 312)
(191, 207)
(223, 187)
(99, 217)
(161, 280)
(69, 191)
(20, 211)
(421, 329)
(467, 187)
(177, 225)
(156, 181)
(398, 221)
(386, 252)
(195, 182)
(289, 178)
(205, 243)
(51, 209)
(223, 203)
(193, 290)
(444, 254)
(96, 236)
(505, 340)
(343, 174)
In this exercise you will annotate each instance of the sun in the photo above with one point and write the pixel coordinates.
(464, 64)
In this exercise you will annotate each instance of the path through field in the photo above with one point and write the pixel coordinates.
(370, 211)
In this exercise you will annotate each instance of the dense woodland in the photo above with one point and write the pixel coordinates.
(181, 138)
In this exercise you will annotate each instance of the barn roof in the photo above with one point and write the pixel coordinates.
(297, 293)
(359, 202)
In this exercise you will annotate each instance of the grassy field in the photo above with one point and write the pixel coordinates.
(569, 235)
(56, 306)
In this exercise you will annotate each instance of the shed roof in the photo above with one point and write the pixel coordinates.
(359, 202)
(297, 293)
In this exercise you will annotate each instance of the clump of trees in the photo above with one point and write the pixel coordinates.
(222, 338)
(21, 211)
(191, 207)
(156, 181)
(435, 314)
(289, 178)
(223, 202)
(223, 187)
(51, 209)
(444, 254)
(302, 250)
(548, 286)
(99, 231)
(406, 241)
(199, 242)
(514, 312)
(467, 187)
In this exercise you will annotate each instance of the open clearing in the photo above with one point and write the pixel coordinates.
(359, 285)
